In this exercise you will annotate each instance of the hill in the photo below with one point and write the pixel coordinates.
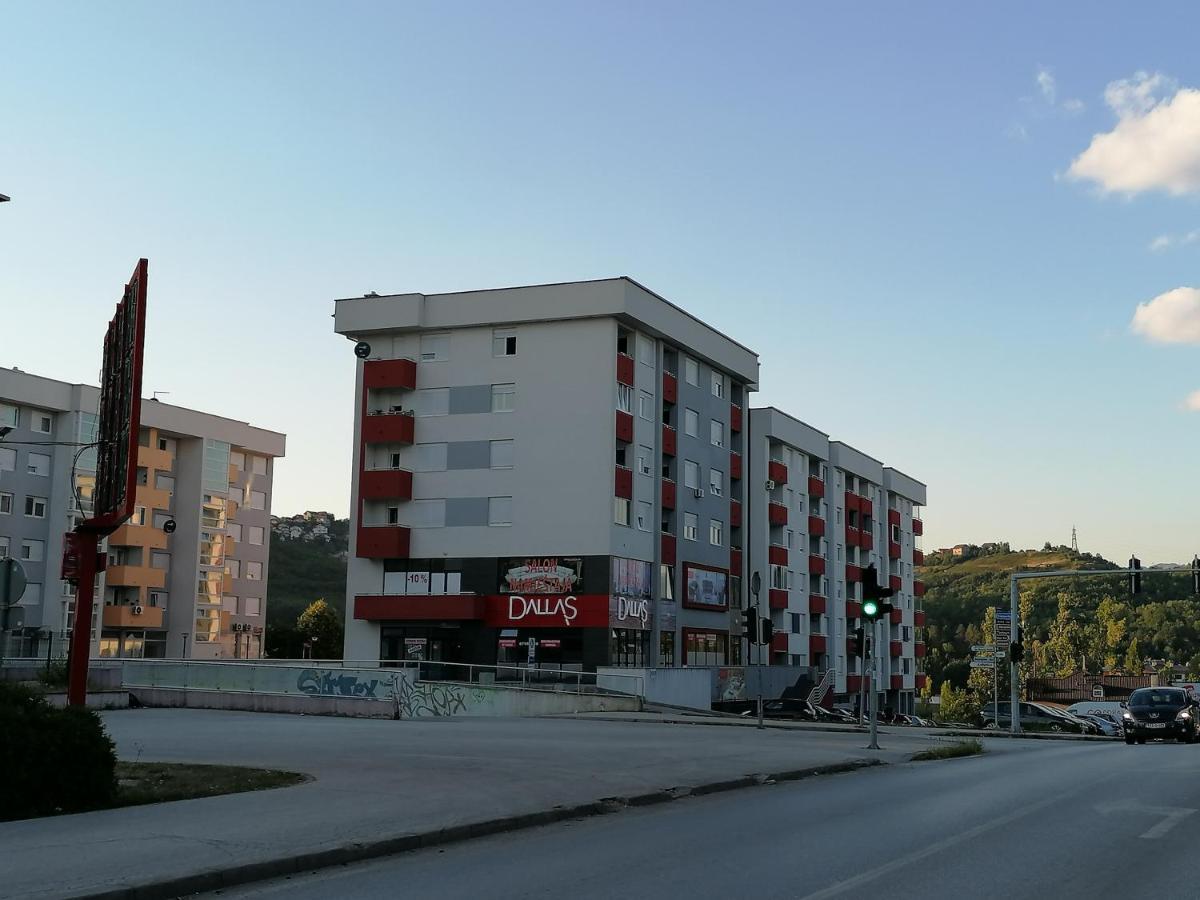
(301, 572)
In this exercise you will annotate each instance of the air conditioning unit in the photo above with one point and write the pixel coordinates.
(770, 485)
(697, 492)
(137, 610)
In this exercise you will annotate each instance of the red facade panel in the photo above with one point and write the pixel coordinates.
(919, 648)
(379, 374)
(816, 564)
(816, 526)
(865, 507)
(777, 472)
(853, 684)
(667, 549)
(918, 557)
(777, 556)
(919, 618)
(894, 583)
(625, 369)
(777, 514)
(851, 501)
(382, 542)
(896, 648)
(668, 494)
(670, 388)
(893, 550)
(919, 588)
(735, 418)
(434, 606)
(853, 573)
(778, 598)
(779, 642)
(816, 487)
(623, 483)
(894, 517)
(897, 682)
(668, 439)
(735, 513)
(387, 428)
(816, 604)
(853, 610)
(385, 484)
(897, 616)
(866, 540)
(735, 465)
(853, 535)
(735, 561)
(922, 679)
(624, 426)
(816, 643)
(918, 526)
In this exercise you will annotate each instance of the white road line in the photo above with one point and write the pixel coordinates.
(1171, 818)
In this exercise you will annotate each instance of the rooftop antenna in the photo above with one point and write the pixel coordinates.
(154, 396)
(1074, 541)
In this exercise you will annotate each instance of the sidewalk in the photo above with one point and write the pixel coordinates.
(379, 785)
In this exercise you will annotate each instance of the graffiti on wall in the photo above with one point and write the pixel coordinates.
(425, 698)
(336, 683)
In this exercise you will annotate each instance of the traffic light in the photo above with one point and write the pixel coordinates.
(1016, 650)
(858, 641)
(1196, 574)
(767, 632)
(750, 623)
(873, 592)
(1135, 575)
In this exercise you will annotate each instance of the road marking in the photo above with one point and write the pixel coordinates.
(849, 884)
(1171, 815)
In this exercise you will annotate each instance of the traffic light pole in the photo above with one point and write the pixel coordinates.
(874, 745)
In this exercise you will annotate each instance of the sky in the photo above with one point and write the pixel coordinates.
(962, 238)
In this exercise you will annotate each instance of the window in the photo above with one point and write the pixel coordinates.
(139, 516)
(33, 551)
(716, 433)
(644, 460)
(425, 514)
(164, 482)
(644, 513)
(504, 397)
(499, 510)
(622, 454)
(394, 460)
(716, 482)
(718, 384)
(3, 546)
(8, 459)
(252, 606)
(229, 604)
(666, 582)
(501, 454)
(691, 422)
(907, 665)
(234, 530)
(6, 502)
(35, 507)
(906, 633)
(705, 648)
(504, 342)
(254, 571)
(237, 458)
(691, 474)
(646, 405)
(796, 623)
(259, 465)
(258, 500)
(781, 578)
(716, 532)
(160, 559)
(691, 371)
(623, 338)
(255, 534)
(434, 347)
(690, 526)
(432, 402)
(393, 515)
(645, 347)
(429, 457)
(39, 463)
(625, 398)
(621, 511)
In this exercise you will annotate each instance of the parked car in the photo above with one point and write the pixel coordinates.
(1110, 709)
(1160, 713)
(1036, 717)
(1107, 727)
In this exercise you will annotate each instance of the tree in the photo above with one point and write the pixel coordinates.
(957, 706)
(1133, 659)
(322, 628)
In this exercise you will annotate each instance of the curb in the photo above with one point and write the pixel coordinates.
(1034, 736)
(218, 879)
(733, 722)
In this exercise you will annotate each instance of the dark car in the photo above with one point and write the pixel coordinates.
(1036, 717)
(1160, 712)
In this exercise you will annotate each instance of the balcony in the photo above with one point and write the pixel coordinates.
(896, 616)
(865, 507)
(668, 494)
(816, 526)
(387, 428)
(153, 458)
(735, 561)
(922, 680)
(623, 482)
(135, 576)
(777, 472)
(851, 501)
(145, 536)
(735, 465)
(816, 564)
(817, 604)
(897, 682)
(735, 514)
(380, 374)
(625, 427)
(150, 617)
(894, 517)
(234, 473)
(919, 618)
(853, 610)
(918, 589)
(667, 549)
(817, 643)
(779, 642)
(777, 513)
(735, 418)
(896, 648)
(670, 388)
(893, 550)
(778, 598)
(382, 542)
(816, 487)
(853, 684)
(777, 555)
(152, 497)
(918, 557)
(385, 484)
(866, 540)
(625, 369)
(669, 439)
(853, 536)
(895, 583)
(919, 648)
(918, 526)
(853, 573)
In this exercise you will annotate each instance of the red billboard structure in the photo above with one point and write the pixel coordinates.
(116, 468)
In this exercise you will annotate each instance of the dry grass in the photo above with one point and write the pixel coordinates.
(153, 782)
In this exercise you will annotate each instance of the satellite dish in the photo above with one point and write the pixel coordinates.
(362, 349)
(169, 526)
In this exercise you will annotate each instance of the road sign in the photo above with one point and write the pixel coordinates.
(532, 649)
(12, 582)
(983, 648)
(1097, 692)
(1002, 630)
(983, 663)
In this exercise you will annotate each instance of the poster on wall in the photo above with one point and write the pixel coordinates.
(541, 575)
(630, 605)
(706, 588)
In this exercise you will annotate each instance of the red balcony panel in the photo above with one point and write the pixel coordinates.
(896, 648)
(777, 556)
(894, 517)
(779, 642)
(866, 540)
(816, 487)
(816, 604)
(623, 483)
(735, 561)
(853, 684)
(894, 583)
(853, 610)
(919, 648)
(385, 484)
(382, 542)
(918, 526)
(816, 643)
(777, 472)
(865, 507)
(735, 513)
(853, 573)
(816, 526)
(667, 549)
(918, 557)
(852, 536)
(735, 465)
(919, 618)
(922, 680)
(735, 418)
(816, 564)
(897, 616)
(379, 374)
(624, 426)
(851, 500)
(668, 494)
(897, 682)
(668, 439)
(777, 514)
(670, 388)
(624, 369)
(387, 428)
(919, 588)
(893, 550)
(778, 598)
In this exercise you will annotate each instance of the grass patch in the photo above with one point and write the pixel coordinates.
(153, 782)
(950, 751)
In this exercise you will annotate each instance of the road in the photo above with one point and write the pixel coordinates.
(1027, 819)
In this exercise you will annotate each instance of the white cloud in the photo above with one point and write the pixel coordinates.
(1155, 144)
(1170, 318)
(1017, 132)
(1192, 402)
(1073, 105)
(1166, 241)
(1045, 83)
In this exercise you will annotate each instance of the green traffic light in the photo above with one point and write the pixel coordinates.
(870, 608)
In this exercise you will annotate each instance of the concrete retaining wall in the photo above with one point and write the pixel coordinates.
(690, 688)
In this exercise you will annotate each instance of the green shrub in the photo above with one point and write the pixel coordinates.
(53, 760)
(54, 675)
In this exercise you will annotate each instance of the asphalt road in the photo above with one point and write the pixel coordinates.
(1028, 819)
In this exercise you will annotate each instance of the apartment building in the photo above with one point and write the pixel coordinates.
(198, 591)
(822, 512)
(557, 462)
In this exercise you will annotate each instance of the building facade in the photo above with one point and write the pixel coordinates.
(198, 591)
(556, 462)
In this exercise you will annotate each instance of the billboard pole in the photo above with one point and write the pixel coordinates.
(86, 544)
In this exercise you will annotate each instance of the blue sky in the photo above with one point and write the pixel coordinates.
(902, 208)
